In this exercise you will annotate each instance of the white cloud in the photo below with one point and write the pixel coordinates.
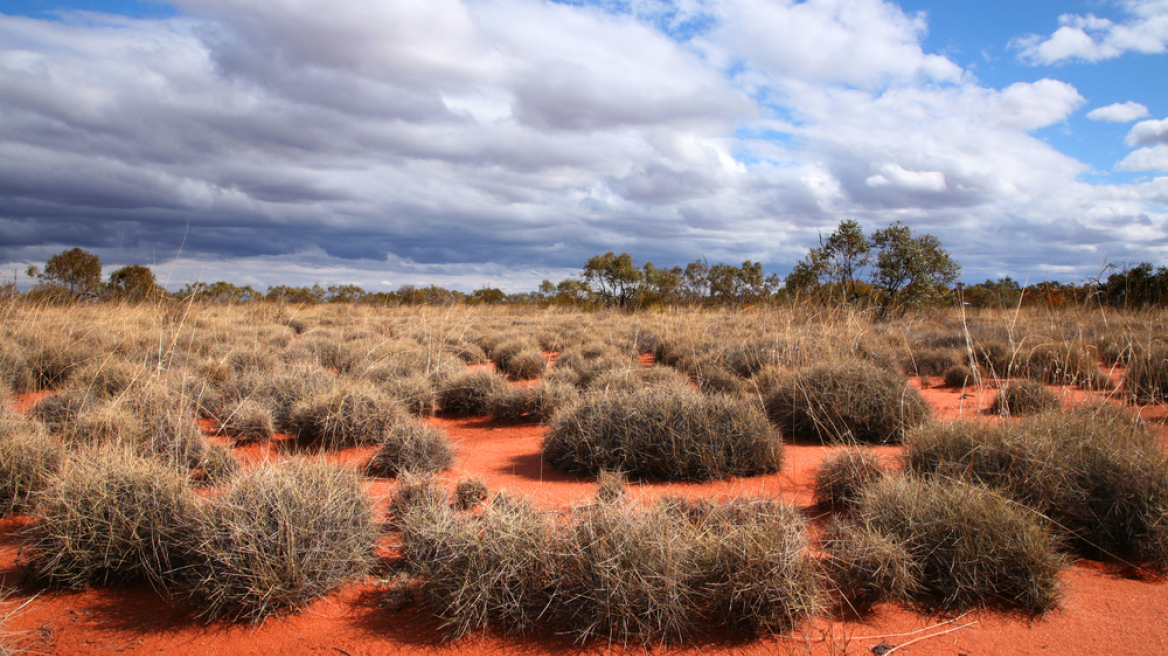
(1091, 39)
(1119, 112)
(1146, 133)
(1154, 158)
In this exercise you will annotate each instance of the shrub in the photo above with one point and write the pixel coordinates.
(281, 536)
(28, 460)
(412, 445)
(1146, 377)
(470, 393)
(1095, 471)
(112, 516)
(663, 434)
(845, 475)
(1024, 397)
(848, 401)
(960, 375)
(970, 546)
(352, 414)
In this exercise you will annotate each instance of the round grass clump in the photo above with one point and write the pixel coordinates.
(867, 567)
(845, 401)
(29, 458)
(111, 516)
(281, 536)
(414, 446)
(1024, 397)
(535, 403)
(1065, 364)
(971, 546)
(844, 476)
(960, 375)
(931, 362)
(469, 493)
(1146, 377)
(352, 414)
(471, 393)
(665, 434)
(1095, 471)
(249, 421)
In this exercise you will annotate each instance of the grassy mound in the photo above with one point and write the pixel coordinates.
(414, 446)
(471, 393)
(1095, 471)
(663, 433)
(1146, 377)
(970, 546)
(844, 476)
(1025, 397)
(352, 414)
(112, 516)
(845, 401)
(281, 536)
(29, 457)
(611, 571)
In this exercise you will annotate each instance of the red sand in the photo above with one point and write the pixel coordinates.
(1106, 609)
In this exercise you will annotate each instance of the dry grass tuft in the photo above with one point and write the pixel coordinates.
(412, 445)
(1024, 397)
(665, 434)
(845, 402)
(471, 393)
(354, 413)
(281, 536)
(960, 375)
(844, 476)
(469, 493)
(867, 566)
(971, 546)
(1146, 377)
(111, 516)
(1095, 471)
(29, 458)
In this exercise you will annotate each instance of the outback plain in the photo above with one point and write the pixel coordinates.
(273, 478)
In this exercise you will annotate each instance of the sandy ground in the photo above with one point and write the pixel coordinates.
(1107, 609)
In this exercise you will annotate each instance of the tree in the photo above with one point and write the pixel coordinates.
(614, 277)
(77, 270)
(910, 271)
(488, 296)
(134, 283)
(838, 261)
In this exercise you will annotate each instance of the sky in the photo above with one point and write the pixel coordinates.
(471, 143)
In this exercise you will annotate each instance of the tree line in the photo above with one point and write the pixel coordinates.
(890, 271)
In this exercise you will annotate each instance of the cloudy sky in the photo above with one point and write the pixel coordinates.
(501, 142)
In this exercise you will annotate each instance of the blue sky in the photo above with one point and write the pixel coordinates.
(471, 142)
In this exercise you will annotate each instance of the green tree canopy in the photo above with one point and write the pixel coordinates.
(77, 270)
(134, 283)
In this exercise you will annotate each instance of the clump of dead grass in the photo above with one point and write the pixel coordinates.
(1024, 397)
(842, 477)
(471, 393)
(846, 401)
(412, 445)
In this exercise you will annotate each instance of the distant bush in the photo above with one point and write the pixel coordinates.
(1146, 377)
(847, 401)
(470, 393)
(414, 446)
(281, 536)
(1095, 471)
(662, 433)
(112, 516)
(970, 546)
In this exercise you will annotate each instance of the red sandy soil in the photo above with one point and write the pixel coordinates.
(1107, 609)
